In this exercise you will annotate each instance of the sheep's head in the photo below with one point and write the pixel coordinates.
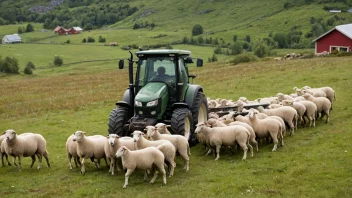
(260, 109)
(10, 134)
(287, 102)
(112, 138)
(213, 115)
(252, 114)
(121, 151)
(199, 127)
(78, 135)
(307, 95)
(306, 87)
(137, 135)
(150, 130)
(211, 122)
(161, 127)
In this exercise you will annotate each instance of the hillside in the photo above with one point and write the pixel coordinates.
(219, 18)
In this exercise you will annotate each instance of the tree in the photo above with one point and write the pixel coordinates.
(261, 50)
(84, 40)
(28, 70)
(58, 61)
(236, 48)
(29, 28)
(235, 38)
(10, 65)
(197, 30)
(248, 38)
(19, 30)
(2, 21)
(281, 40)
(30, 65)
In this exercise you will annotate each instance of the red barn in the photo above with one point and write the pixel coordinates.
(337, 39)
(75, 30)
(60, 30)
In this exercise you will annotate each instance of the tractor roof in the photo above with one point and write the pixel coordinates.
(163, 52)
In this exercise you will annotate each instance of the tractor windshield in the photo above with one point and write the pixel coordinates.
(156, 69)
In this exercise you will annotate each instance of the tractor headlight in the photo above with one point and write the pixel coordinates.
(152, 103)
(137, 103)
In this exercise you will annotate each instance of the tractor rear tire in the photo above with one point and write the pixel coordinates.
(199, 113)
(117, 120)
(181, 122)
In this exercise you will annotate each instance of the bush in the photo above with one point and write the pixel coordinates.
(197, 30)
(261, 50)
(30, 65)
(236, 48)
(213, 59)
(29, 28)
(68, 41)
(90, 39)
(84, 40)
(101, 39)
(58, 61)
(9, 65)
(244, 58)
(28, 70)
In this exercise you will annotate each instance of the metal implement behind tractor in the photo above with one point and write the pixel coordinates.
(155, 97)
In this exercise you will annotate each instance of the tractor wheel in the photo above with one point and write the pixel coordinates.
(199, 109)
(181, 122)
(117, 120)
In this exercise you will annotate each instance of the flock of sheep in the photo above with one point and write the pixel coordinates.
(152, 150)
(284, 110)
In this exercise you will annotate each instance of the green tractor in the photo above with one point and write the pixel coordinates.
(161, 93)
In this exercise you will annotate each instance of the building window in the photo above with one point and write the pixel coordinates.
(343, 49)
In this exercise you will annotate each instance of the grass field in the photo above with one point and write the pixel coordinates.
(316, 162)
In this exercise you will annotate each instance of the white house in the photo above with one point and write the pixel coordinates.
(9, 39)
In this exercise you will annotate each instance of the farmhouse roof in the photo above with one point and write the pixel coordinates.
(13, 38)
(57, 28)
(77, 28)
(344, 29)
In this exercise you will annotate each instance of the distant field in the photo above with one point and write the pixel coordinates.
(315, 162)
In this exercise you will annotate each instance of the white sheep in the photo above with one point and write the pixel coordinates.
(281, 97)
(323, 105)
(300, 108)
(71, 150)
(330, 92)
(314, 92)
(311, 112)
(217, 123)
(169, 150)
(2, 151)
(112, 144)
(264, 128)
(89, 147)
(227, 136)
(213, 115)
(288, 114)
(179, 141)
(163, 128)
(146, 159)
(26, 145)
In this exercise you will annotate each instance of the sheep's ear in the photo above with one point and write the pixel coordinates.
(84, 133)
(107, 136)
(117, 137)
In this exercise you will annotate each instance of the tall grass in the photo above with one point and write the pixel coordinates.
(315, 162)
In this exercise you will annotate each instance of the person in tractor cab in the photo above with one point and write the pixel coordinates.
(161, 76)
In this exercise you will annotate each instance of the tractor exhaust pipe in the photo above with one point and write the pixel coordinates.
(131, 85)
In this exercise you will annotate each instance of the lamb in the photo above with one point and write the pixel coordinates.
(29, 144)
(168, 150)
(330, 93)
(147, 158)
(217, 123)
(300, 108)
(323, 105)
(71, 149)
(227, 136)
(180, 142)
(288, 114)
(2, 151)
(262, 116)
(163, 128)
(267, 127)
(311, 112)
(89, 147)
(314, 92)
(112, 144)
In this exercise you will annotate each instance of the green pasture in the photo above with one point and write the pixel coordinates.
(315, 162)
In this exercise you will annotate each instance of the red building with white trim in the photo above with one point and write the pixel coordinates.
(339, 39)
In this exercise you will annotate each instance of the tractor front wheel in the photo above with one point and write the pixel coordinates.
(181, 122)
(117, 120)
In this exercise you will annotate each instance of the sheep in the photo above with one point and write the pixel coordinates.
(300, 108)
(227, 136)
(323, 105)
(274, 106)
(240, 105)
(311, 111)
(281, 97)
(29, 144)
(169, 150)
(89, 147)
(213, 115)
(270, 100)
(213, 104)
(330, 93)
(288, 114)
(163, 128)
(314, 92)
(180, 142)
(71, 149)
(267, 127)
(147, 158)
(112, 144)
(2, 151)
(217, 123)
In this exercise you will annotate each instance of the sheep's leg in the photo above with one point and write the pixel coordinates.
(145, 178)
(33, 160)
(185, 157)
(217, 152)
(292, 127)
(83, 168)
(154, 177)
(128, 173)
(112, 165)
(14, 161)
(69, 157)
(19, 163)
(162, 171)
(171, 165)
(76, 160)
(245, 149)
(46, 158)
(40, 157)
(275, 140)
(209, 151)
(98, 164)
(327, 117)
(106, 162)
(255, 144)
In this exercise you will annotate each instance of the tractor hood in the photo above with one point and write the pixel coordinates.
(151, 91)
